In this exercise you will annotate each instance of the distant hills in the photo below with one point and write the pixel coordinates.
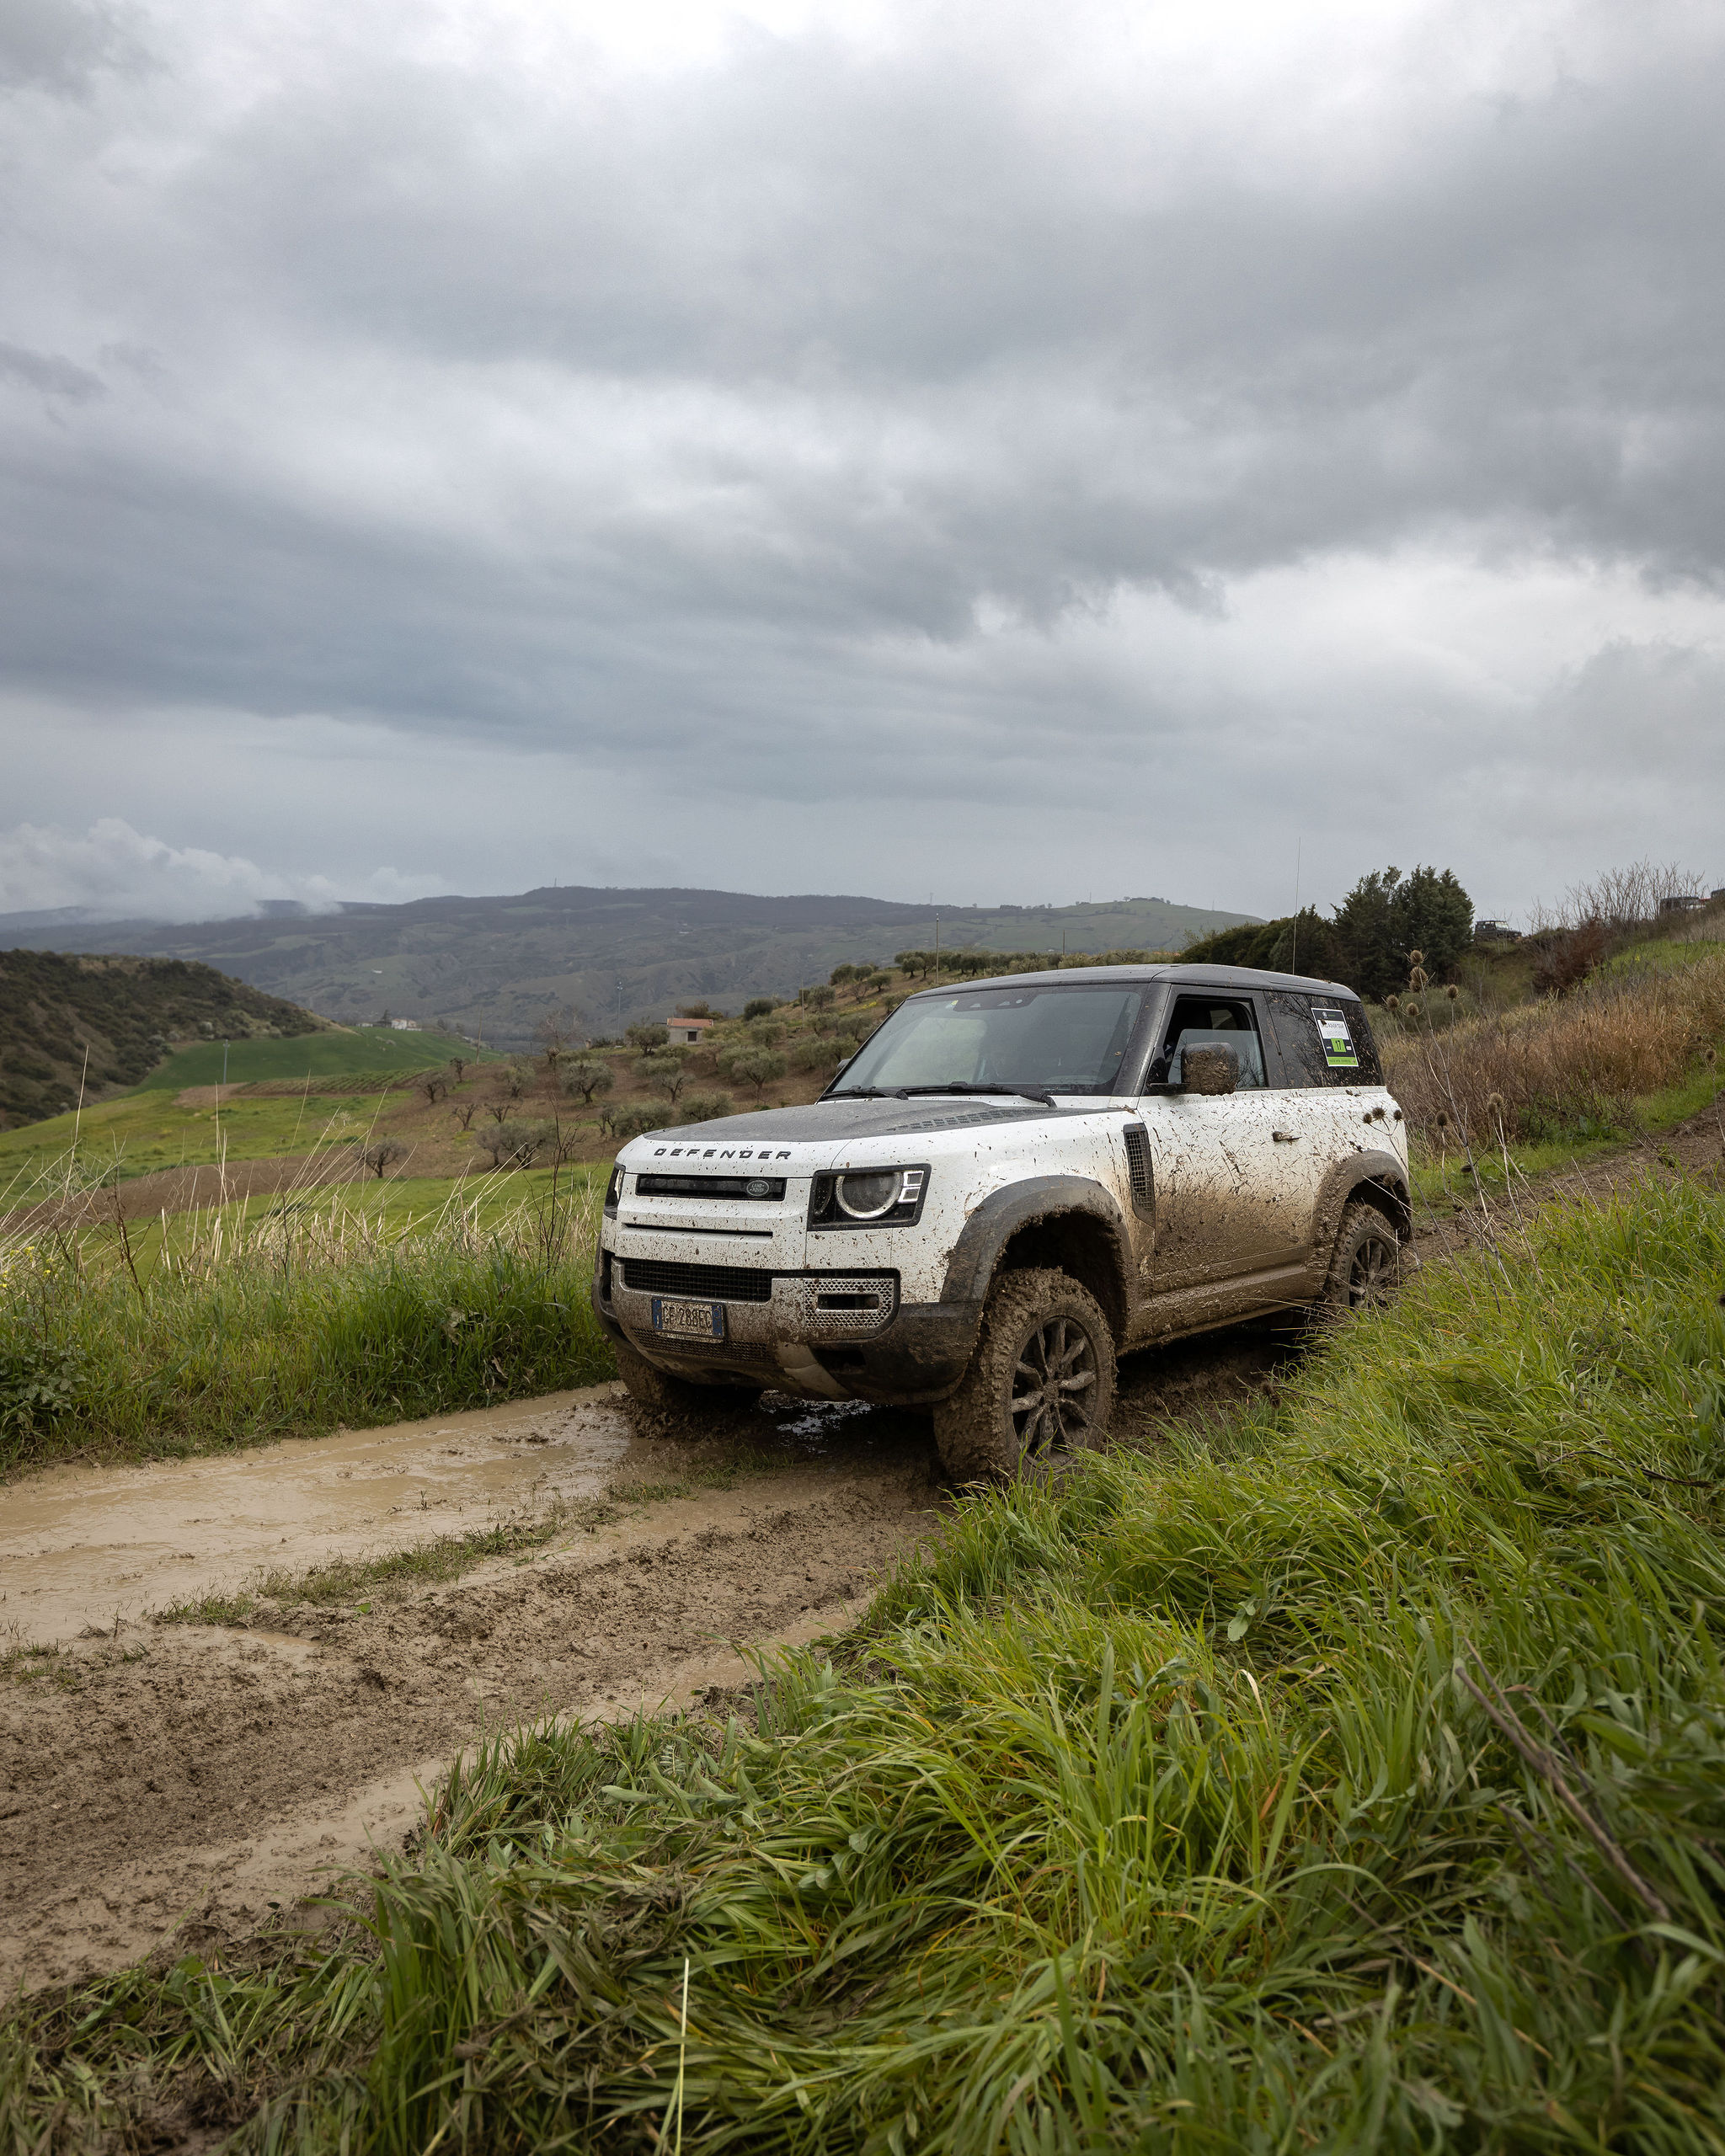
(491, 967)
(96, 1024)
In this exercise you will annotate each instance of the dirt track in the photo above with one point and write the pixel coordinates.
(166, 1785)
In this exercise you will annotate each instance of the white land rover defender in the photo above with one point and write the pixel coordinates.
(1009, 1184)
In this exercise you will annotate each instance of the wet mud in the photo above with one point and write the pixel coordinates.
(165, 1787)
(83, 1546)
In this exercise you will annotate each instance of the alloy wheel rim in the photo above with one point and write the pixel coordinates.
(1372, 1273)
(1054, 1383)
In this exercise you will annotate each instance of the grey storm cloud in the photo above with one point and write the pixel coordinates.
(868, 403)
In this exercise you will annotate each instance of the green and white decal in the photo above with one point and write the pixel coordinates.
(1339, 1042)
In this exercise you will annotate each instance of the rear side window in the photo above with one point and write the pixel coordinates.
(1324, 1040)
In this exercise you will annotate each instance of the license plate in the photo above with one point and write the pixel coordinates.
(700, 1321)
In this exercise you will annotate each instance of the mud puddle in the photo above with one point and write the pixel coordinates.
(165, 1787)
(83, 1547)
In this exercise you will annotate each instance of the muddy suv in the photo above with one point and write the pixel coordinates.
(1009, 1185)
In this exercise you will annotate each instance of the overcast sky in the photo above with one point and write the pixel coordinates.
(1012, 452)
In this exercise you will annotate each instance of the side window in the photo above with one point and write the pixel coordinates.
(1229, 1021)
(1324, 1040)
(1297, 1038)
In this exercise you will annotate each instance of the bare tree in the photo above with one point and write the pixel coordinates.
(500, 1107)
(458, 1068)
(558, 1033)
(462, 1110)
(433, 1084)
(1621, 897)
(384, 1153)
(514, 1077)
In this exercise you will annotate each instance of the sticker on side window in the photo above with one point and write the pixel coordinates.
(1339, 1042)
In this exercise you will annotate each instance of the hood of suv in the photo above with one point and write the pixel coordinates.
(842, 1118)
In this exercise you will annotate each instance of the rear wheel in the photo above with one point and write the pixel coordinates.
(1366, 1269)
(673, 1396)
(1040, 1385)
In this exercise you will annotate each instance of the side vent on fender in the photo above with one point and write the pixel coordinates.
(1138, 1167)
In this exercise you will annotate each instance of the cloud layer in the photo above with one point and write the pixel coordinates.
(868, 447)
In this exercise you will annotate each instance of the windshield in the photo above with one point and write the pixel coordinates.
(1064, 1040)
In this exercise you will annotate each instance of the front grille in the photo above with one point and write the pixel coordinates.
(760, 1188)
(708, 1283)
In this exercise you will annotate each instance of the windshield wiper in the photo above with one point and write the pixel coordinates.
(869, 1093)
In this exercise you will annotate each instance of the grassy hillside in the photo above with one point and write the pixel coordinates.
(1347, 1776)
(492, 968)
(73, 1021)
(363, 1052)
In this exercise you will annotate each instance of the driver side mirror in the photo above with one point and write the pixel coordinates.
(1211, 1068)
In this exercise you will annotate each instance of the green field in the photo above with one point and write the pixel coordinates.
(146, 1129)
(139, 1132)
(365, 1051)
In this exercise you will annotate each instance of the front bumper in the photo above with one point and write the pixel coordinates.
(826, 1336)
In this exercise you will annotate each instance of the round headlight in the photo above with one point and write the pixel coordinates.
(867, 1197)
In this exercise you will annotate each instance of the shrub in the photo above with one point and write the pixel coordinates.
(585, 1077)
(753, 1066)
(648, 1035)
(705, 1108)
(761, 1007)
(817, 1052)
(664, 1074)
(1564, 957)
(818, 999)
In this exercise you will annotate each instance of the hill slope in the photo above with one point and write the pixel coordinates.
(491, 966)
(121, 1012)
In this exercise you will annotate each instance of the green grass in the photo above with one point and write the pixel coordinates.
(349, 1581)
(289, 1321)
(140, 1132)
(368, 1050)
(1353, 1779)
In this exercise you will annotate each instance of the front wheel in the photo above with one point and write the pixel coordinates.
(1366, 1269)
(673, 1396)
(1040, 1385)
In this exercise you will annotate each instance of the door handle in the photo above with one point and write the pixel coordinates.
(1285, 1137)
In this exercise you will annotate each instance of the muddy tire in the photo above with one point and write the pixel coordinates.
(1040, 1386)
(672, 1395)
(1366, 1269)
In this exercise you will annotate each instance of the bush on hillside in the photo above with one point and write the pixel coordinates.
(705, 1107)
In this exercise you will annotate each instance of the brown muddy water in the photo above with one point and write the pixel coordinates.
(82, 1547)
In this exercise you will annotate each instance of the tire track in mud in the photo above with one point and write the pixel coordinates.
(168, 1786)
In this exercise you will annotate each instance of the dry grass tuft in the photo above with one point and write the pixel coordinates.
(1565, 1066)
